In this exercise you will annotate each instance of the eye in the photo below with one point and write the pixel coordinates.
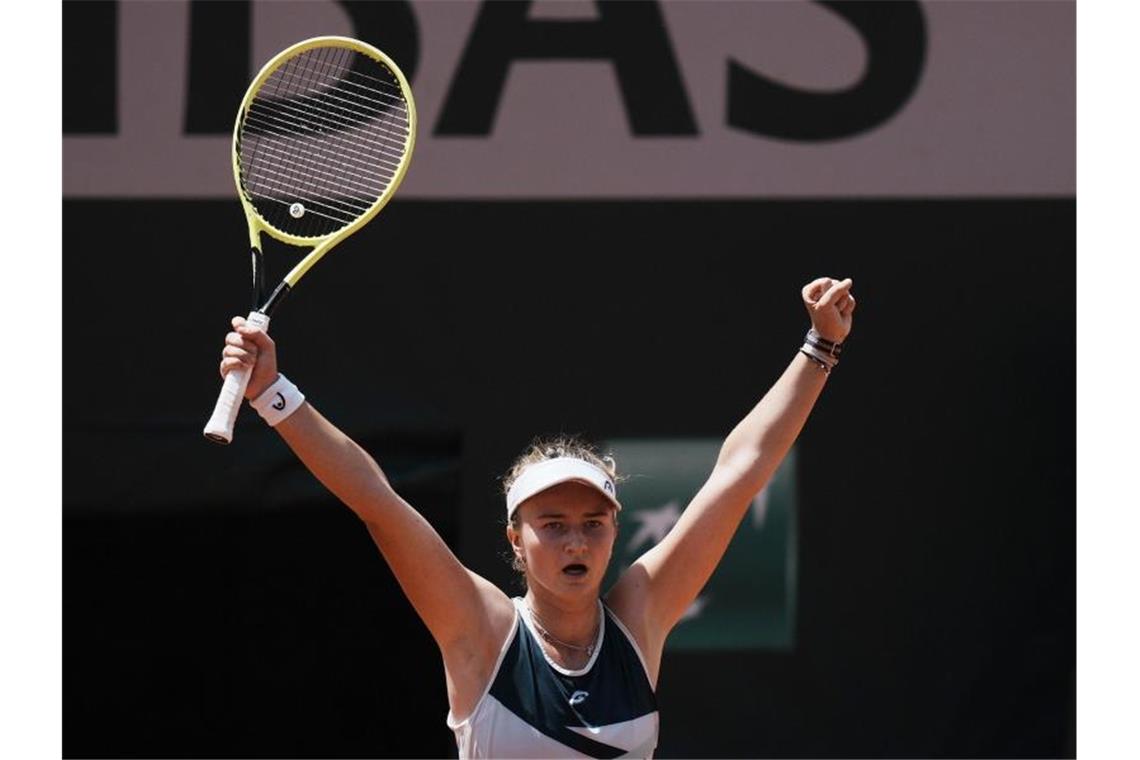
(555, 525)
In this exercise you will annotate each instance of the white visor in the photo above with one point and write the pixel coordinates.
(549, 473)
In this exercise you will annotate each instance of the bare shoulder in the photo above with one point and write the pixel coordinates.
(469, 660)
(628, 600)
(483, 636)
(500, 608)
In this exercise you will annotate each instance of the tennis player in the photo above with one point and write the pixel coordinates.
(564, 671)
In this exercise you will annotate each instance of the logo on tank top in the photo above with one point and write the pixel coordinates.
(578, 697)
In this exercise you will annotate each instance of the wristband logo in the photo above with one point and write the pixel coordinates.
(279, 404)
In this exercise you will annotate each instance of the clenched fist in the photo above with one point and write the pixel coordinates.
(829, 303)
(252, 348)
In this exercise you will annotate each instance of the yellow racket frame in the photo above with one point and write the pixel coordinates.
(220, 427)
(322, 243)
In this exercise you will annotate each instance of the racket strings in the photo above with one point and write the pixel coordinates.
(321, 75)
(358, 165)
(283, 175)
(278, 169)
(301, 167)
(297, 162)
(287, 130)
(321, 133)
(355, 104)
(326, 88)
(311, 122)
(314, 122)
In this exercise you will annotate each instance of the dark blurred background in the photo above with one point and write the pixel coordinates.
(632, 277)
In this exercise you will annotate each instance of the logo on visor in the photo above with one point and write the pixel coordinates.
(608, 486)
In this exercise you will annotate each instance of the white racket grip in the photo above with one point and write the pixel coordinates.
(220, 428)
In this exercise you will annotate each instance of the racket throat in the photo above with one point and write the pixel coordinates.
(260, 302)
(258, 263)
(274, 299)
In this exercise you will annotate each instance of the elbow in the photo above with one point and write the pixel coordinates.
(373, 505)
(739, 457)
(745, 470)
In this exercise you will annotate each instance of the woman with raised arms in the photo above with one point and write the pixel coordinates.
(566, 670)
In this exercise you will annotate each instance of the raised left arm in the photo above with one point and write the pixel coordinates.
(664, 581)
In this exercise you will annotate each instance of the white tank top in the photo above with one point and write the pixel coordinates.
(535, 708)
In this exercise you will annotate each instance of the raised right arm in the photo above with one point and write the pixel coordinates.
(464, 612)
(451, 600)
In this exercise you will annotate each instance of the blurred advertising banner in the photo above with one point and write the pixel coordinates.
(749, 603)
(579, 99)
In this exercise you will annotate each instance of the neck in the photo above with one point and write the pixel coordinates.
(574, 622)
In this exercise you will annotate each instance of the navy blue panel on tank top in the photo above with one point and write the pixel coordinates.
(614, 690)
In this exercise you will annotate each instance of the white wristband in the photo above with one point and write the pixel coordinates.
(278, 401)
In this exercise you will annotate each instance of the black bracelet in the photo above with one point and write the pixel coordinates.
(831, 350)
(823, 344)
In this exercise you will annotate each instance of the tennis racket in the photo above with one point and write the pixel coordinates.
(322, 140)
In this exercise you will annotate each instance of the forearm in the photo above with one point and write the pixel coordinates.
(340, 464)
(757, 445)
(671, 574)
(681, 564)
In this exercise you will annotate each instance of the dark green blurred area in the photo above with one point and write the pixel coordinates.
(749, 603)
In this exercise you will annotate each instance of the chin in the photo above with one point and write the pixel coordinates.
(585, 584)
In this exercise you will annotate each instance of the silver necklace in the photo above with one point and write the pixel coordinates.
(588, 649)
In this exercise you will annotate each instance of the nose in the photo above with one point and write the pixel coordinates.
(576, 541)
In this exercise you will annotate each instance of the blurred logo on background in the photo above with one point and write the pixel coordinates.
(749, 603)
(610, 99)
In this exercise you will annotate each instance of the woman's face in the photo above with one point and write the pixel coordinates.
(565, 537)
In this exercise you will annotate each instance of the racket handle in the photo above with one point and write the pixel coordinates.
(220, 428)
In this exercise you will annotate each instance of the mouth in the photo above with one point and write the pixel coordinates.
(575, 570)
